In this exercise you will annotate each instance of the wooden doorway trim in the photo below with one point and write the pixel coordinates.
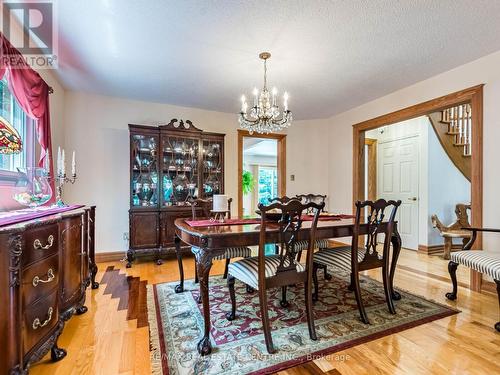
(281, 138)
(472, 95)
(371, 144)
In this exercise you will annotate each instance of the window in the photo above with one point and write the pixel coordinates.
(268, 184)
(12, 112)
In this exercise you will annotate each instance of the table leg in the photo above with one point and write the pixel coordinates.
(180, 287)
(203, 264)
(396, 248)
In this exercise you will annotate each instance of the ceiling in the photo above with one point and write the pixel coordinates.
(260, 147)
(329, 55)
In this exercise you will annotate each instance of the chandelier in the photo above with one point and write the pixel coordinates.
(265, 115)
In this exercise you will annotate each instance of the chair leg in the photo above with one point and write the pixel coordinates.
(387, 290)
(447, 247)
(284, 302)
(226, 268)
(497, 325)
(452, 269)
(351, 285)
(309, 311)
(327, 276)
(359, 301)
(250, 289)
(316, 268)
(265, 320)
(230, 284)
(196, 280)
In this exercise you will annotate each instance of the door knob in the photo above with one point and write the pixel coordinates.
(412, 199)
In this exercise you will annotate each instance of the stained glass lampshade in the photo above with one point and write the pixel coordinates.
(10, 141)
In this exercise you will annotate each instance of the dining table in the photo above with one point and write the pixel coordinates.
(211, 240)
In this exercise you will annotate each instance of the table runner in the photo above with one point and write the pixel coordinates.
(14, 217)
(243, 221)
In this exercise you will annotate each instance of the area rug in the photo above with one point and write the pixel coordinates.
(176, 325)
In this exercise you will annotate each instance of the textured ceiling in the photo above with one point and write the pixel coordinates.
(329, 55)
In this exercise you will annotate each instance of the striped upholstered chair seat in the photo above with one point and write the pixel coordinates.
(304, 244)
(246, 270)
(481, 261)
(337, 257)
(234, 252)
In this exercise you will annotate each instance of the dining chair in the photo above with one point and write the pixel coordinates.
(265, 272)
(205, 205)
(316, 198)
(355, 259)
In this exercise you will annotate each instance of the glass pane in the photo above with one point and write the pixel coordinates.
(12, 112)
(212, 168)
(180, 162)
(144, 171)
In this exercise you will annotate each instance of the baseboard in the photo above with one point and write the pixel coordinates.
(112, 256)
(489, 286)
(435, 249)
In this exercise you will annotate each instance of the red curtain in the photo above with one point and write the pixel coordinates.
(32, 94)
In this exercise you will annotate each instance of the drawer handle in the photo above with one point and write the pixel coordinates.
(37, 244)
(36, 323)
(50, 277)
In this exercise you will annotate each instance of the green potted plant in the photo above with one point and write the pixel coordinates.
(247, 182)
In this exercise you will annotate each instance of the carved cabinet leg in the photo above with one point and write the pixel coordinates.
(57, 353)
(93, 273)
(130, 257)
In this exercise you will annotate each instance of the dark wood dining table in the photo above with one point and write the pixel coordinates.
(211, 241)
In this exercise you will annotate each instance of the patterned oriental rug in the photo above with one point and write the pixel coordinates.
(176, 324)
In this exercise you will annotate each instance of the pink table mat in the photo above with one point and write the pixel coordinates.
(243, 221)
(18, 216)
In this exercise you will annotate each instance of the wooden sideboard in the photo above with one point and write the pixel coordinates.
(46, 266)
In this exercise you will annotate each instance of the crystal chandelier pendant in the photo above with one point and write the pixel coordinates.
(265, 116)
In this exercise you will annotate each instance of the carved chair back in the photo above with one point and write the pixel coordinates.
(283, 199)
(288, 227)
(204, 206)
(316, 198)
(380, 220)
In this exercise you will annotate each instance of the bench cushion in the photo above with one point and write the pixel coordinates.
(482, 261)
(246, 270)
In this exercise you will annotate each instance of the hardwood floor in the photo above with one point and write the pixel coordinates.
(113, 336)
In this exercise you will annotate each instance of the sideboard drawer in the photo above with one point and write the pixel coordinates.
(40, 243)
(39, 319)
(40, 279)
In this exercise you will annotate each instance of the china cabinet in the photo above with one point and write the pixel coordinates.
(168, 165)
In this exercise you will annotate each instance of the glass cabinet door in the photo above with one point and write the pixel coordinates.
(144, 171)
(180, 164)
(212, 167)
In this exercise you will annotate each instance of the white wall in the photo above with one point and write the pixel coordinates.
(447, 187)
(97, 128)
(485, 70)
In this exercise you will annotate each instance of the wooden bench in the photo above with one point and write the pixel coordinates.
(485, 262)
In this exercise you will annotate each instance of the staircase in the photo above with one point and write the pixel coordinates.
(453, 129)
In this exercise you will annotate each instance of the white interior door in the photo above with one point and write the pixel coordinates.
(397, 173)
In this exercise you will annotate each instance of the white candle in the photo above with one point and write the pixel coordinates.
(220, 202)
(63, 163)
(255, 95)
(73, 165)
(275, 92)
(243, 104)
(285, 101)
(46, 165)
(58, 161)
